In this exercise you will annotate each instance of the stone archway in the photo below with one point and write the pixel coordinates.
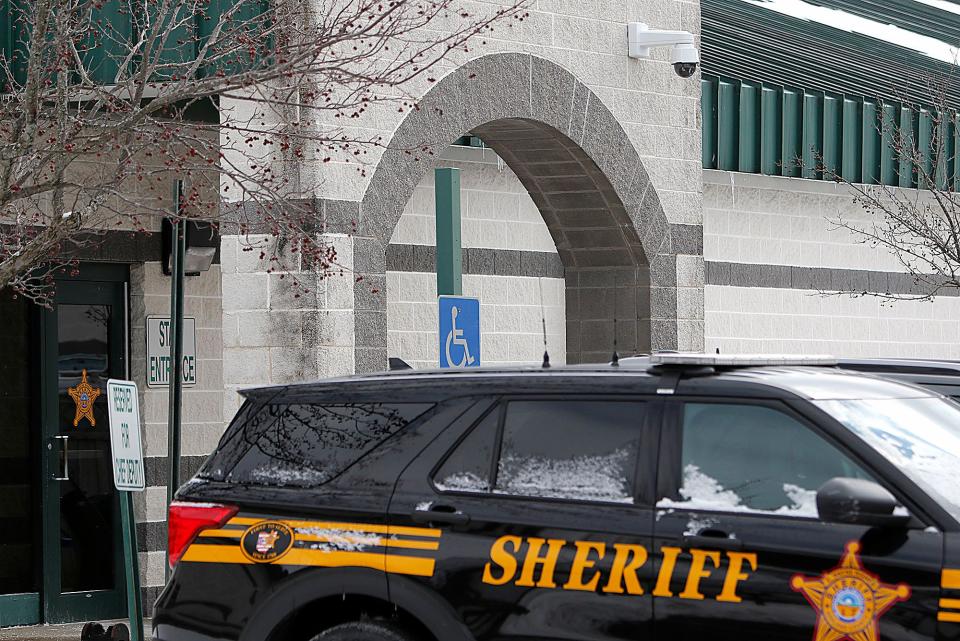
(579, 167)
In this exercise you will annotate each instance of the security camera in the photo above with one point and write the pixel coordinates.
(685, 56)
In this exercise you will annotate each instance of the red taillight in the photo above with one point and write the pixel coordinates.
(186, 520)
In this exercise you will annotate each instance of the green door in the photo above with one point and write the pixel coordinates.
(83, 344)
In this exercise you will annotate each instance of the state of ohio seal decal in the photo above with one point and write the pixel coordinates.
(849, 601)
(266, 541)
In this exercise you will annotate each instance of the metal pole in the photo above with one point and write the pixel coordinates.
(132, 566)
(177, 251)
(449, 245)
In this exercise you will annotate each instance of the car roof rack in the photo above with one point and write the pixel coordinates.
(732, 361)
(672, 366)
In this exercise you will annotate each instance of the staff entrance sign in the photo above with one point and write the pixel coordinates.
(123, 411)
(158, 352)
(459, 332)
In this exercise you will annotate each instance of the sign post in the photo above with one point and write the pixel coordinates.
(123, 406)
(459, 332)
(177, 255)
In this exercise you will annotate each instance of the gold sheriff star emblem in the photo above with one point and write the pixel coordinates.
(83, 396)
(849, 601)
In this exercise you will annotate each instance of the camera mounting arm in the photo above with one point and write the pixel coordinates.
(685, 57)
(642, 38)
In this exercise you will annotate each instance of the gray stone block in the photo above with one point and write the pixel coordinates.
(369, 255)
(370, 328)
(533, 263)
(553, 266)
(596, 336)
(370, 360)
(663, 334)
(878, 282)
(482, 261)
(506, 263)
(687, 239)
(370, 293)
(340, 216)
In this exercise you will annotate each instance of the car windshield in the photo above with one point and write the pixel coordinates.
(921, 436)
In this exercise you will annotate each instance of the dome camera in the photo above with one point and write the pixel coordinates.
(685, 59)
(641, 38)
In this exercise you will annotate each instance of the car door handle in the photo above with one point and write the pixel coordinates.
(716, 539)
(441, 514)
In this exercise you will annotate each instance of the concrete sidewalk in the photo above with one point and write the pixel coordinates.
(67, 632)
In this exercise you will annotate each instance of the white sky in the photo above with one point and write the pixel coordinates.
(943, 5)
(855, 24)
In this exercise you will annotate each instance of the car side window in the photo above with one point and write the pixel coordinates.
(468, 467)
(753, 458)
(567, 449)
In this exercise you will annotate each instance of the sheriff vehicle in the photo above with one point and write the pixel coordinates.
(677, 497)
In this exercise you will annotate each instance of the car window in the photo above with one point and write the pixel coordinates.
(579, 450)
(468, 467)
(305, 444)
(753, 458)
(570, 449)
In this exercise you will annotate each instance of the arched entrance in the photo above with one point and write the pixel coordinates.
(580, 169)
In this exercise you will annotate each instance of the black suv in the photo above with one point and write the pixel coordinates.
(687, 498)
(940, 376)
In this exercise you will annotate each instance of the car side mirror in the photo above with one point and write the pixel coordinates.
(858, 502)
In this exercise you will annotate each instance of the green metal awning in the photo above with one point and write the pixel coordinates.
(751, 42)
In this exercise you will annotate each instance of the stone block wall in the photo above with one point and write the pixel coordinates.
(203, 415)
(775, 260)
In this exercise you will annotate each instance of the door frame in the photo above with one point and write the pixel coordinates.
(58, 607)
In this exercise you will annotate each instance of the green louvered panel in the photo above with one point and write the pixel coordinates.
(749, 128)
(771, 131)
(925, 147)
(956, 152)
(708, 102)
(889, 164)
(792, 132)
(755, 128)
(15, 16)
(906, 131)
(728, 129)
(245, 23)
(107, 46)
(944, 151)
(870, 140)
(812, 134)
(105, 50)
(851, 157)
(832, 133)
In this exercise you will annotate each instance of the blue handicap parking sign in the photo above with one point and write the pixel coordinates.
(459, 332)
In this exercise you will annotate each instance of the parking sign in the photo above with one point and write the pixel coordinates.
(123, 405)
(459, 332)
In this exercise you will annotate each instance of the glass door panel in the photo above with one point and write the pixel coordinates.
(87, 505)
(84, 338)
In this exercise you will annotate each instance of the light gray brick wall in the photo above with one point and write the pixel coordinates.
(784, 221)
(659, 110)
(203, 418)
(496, 213)
(510, 318)
(774, 221)
(755, 319)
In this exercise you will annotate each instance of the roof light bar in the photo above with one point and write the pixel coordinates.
(741, 360)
